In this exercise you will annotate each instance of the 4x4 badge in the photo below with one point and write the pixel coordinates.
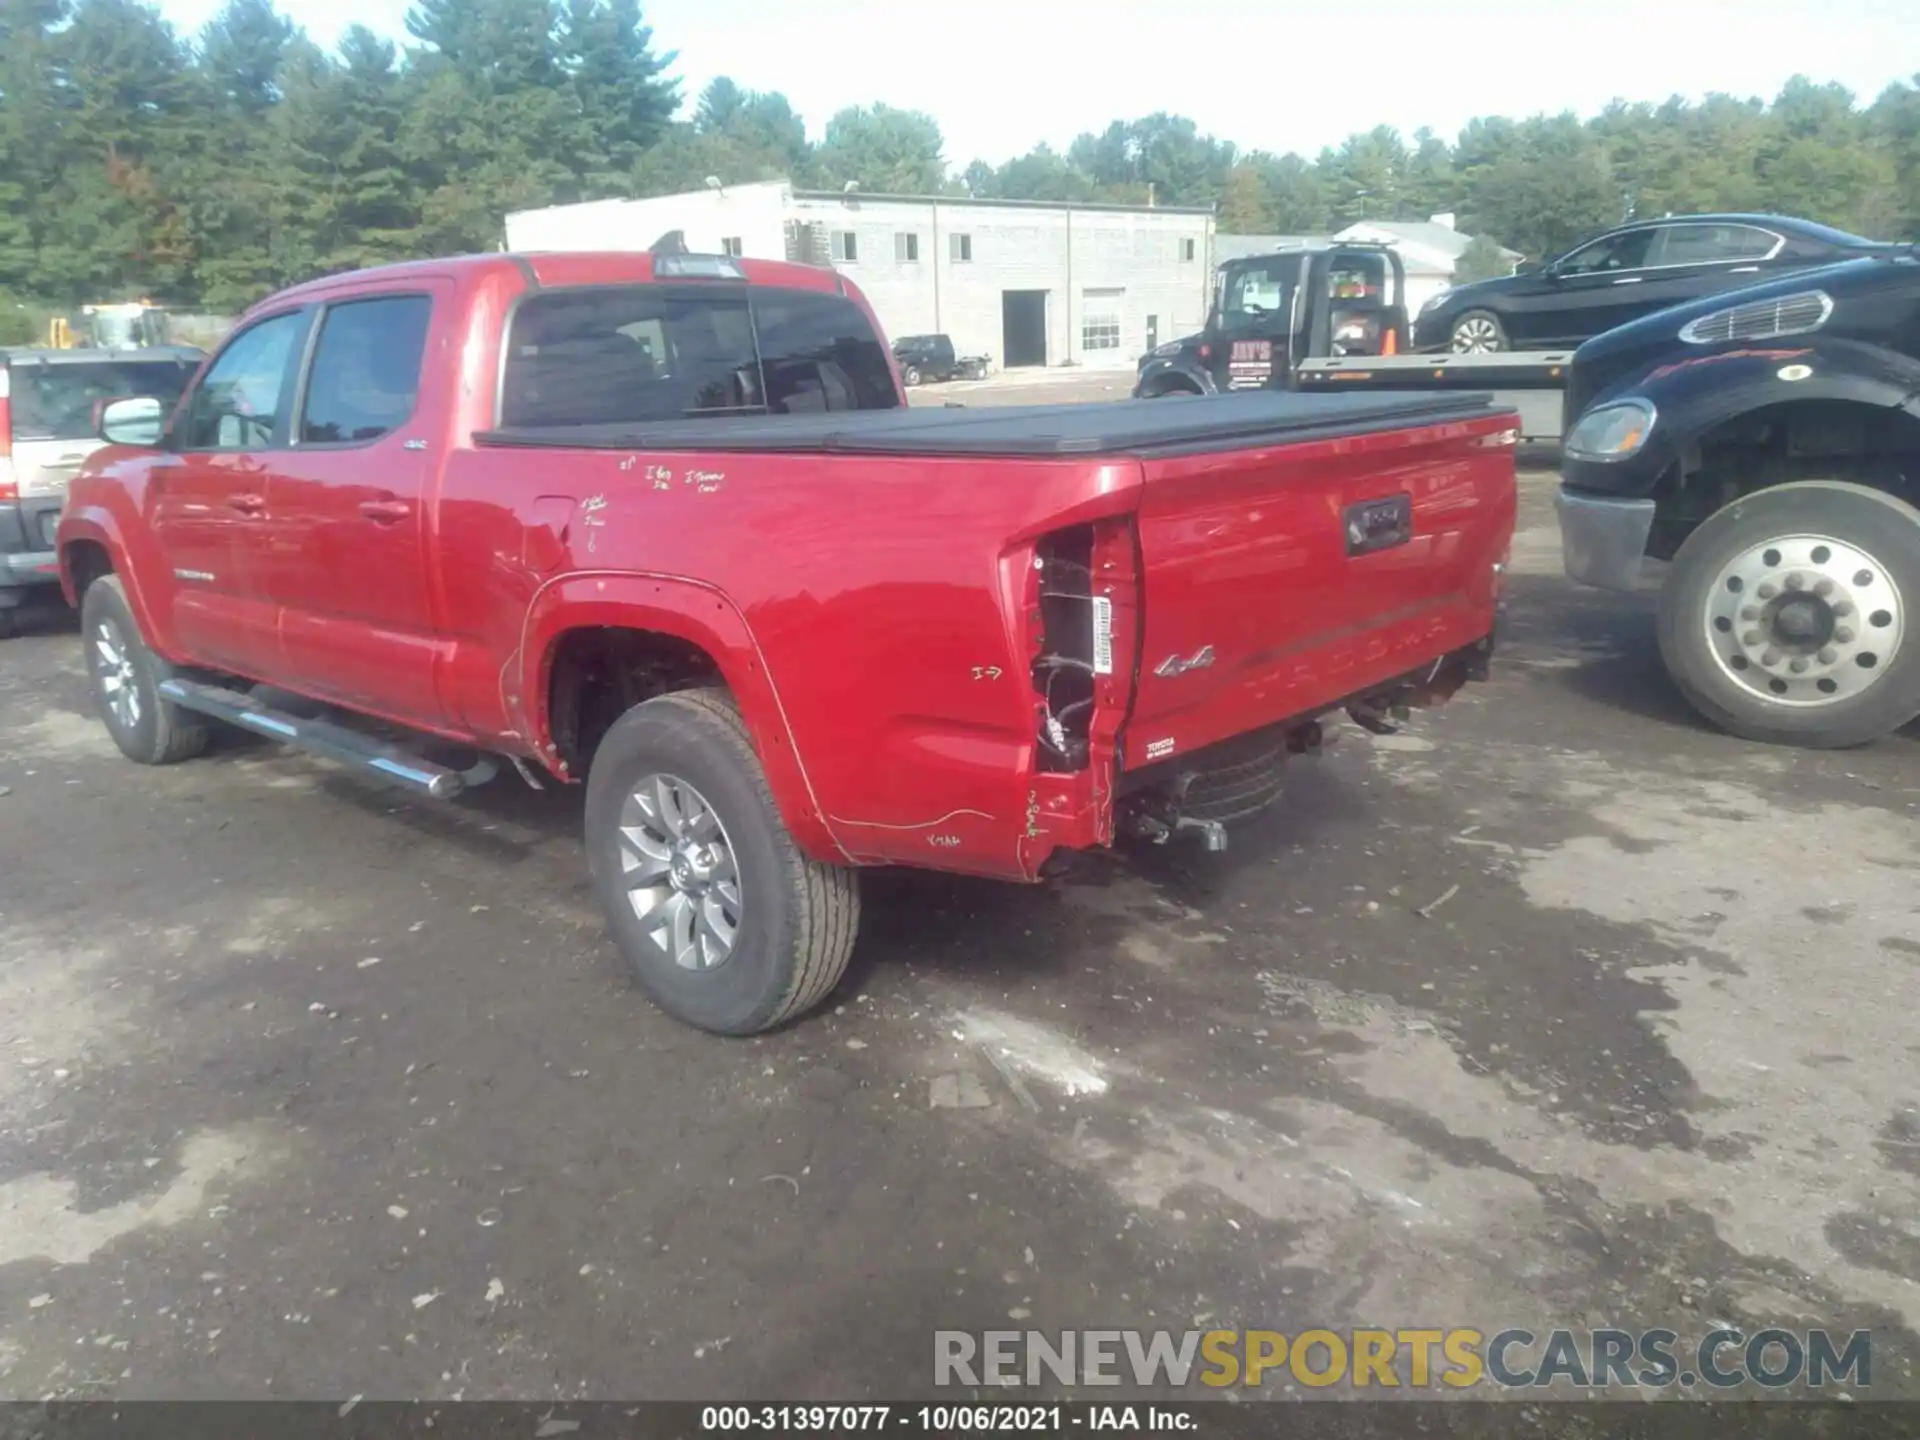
(1179, 665)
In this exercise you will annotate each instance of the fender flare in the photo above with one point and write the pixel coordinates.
(1159, 369)
(1698, 394)
(97, 524)
(697, 613)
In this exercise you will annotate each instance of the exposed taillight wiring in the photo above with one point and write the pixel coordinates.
(1069, 645)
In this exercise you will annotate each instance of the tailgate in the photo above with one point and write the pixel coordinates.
(43, 467)
(1281, 581)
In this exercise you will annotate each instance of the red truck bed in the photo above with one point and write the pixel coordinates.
(1237, 601)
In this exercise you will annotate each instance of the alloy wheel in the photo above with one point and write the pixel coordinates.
(680, 872)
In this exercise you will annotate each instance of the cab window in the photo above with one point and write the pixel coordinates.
(1258, 295)
(1711, 244)
(240, 402)
(1625, 251)
(366, 369)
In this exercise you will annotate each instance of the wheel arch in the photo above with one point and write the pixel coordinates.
(1160, 380)
(659, 633)
(91, 544)
(1862, 433)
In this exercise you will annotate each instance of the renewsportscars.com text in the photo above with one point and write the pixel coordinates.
(1414, 1359)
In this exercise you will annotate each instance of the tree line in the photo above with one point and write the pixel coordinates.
(210, 169)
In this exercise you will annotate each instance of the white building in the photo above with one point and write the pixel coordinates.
(1027, 282)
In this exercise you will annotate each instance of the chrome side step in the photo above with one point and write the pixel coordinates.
(324, 737)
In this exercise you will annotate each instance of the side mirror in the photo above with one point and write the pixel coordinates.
(132, 422)
(1532, 267)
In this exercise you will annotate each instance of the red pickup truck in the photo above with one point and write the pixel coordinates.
(662, 523)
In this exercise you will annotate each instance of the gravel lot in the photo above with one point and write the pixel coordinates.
(308, 1090)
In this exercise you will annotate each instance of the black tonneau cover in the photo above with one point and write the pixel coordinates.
(1123, 427)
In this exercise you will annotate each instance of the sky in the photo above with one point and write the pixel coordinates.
(1002, 75)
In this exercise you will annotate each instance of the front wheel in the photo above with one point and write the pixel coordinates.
(911, 375)
(1787, 614)
(719, 917)
(125, 676)
(1477, 332)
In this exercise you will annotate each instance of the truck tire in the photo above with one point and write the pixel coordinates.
(1476, 332)
(1789, 616)
(910, 376)
(125, 676)
(677, 802)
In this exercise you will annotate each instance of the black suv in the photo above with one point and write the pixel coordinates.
(924, 358)
(1627, 272)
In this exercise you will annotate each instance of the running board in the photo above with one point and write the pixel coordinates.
(324, 737)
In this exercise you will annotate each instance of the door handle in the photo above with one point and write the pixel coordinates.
(248, 504)
(1628, 280)
(1744, 270)
(385, 510)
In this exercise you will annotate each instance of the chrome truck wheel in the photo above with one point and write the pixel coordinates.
(1787, 615)
(717, 915)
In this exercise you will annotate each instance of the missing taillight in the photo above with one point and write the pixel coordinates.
(1075, 647)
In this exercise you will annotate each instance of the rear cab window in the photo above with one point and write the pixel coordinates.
(625, 354)
(365, 375)
(1257, 292)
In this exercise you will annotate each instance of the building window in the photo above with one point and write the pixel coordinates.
(846, 248)
(730, 245)
(962, 250)
(1187, 249)
(906, 247)
(1100, 319)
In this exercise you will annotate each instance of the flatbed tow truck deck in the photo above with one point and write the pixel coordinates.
(1529, 382)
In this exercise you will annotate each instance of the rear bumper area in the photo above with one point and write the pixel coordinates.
(1603, 540)
(1237, 778)
(27, 556)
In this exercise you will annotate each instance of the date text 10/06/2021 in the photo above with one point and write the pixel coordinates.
(945, 1419)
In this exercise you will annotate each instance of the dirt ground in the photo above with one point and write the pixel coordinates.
(1555, 1009)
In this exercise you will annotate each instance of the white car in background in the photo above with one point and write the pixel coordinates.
(48, 401)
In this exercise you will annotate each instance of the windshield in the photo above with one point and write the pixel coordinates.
(55, 401)
(625, 354)
(1259, 292)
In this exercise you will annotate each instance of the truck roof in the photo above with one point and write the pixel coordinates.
(543, 269)
(42, 355)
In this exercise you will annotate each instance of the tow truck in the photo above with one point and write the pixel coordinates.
(1333, 316)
